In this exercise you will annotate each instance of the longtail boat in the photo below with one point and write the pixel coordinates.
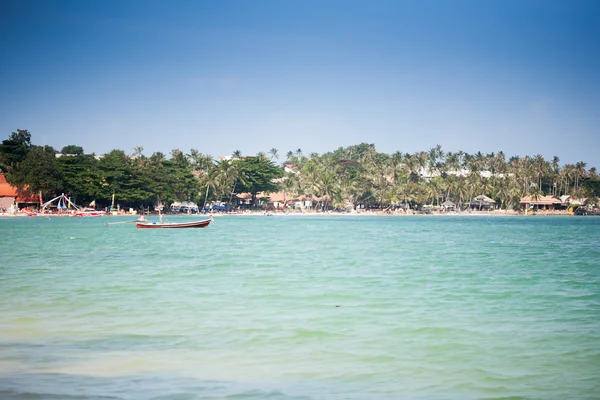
(160, 224)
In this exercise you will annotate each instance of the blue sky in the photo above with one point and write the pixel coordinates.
(518, 76)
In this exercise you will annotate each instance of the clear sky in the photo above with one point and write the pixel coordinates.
(512, 75)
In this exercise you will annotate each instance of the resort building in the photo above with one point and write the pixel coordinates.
(542, 202)
(9, 196)
(277, 200)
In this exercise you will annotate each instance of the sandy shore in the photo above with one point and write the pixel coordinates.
(393, 214)
(324, 214)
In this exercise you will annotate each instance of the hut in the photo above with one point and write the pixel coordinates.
(482, 202)
(448, 206)
(243, 199)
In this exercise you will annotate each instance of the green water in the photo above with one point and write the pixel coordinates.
(301, 308)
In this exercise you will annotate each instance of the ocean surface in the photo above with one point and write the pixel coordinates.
(292, 307)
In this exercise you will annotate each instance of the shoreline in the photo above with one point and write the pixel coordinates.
(322, 214)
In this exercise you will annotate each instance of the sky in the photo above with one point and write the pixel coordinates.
(522, 77)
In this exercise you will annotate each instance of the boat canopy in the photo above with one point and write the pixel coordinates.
(62, 202)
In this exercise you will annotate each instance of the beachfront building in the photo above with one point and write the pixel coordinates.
(571, 202)
(10, 198)
(277, 200)
(448, 206)
(483, 203)
(542, 203)
(303, 202)
(243, 199)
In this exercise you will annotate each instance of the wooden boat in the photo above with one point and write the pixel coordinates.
(89, 213)
(160, 224)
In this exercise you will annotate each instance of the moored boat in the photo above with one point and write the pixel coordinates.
(160, 224)
(89, 213)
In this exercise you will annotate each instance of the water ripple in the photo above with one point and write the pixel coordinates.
(301, 308)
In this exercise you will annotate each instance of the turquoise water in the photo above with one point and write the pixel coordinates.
(290, 307)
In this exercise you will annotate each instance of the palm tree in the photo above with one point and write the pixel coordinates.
(540, 166)
(157, 157)
(461, 190)
(556, 172)
(222, 178)
(289, 156)
(379, 183)
(199, 161)
(473, 184)
(238, 176)
(433, 191)
(325, 185)
(536, 193)
(338, 201)
(440, 153)
(432, 160)
(180, 159)
(409, 193)
(579, 172)
(274, 154)
(140, 161)
(138, 151)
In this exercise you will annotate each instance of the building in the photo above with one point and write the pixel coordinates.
(483, 202)
(9, 195)
(542, 203)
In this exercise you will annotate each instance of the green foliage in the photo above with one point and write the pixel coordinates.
(39, 171)
(592, 186)
(14, 150)
(72, 149)
(115, 170)
(180, 184)
(347, 176)
(81, 177)
(259, 173)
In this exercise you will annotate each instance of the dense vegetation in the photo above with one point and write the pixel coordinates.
(340, 179)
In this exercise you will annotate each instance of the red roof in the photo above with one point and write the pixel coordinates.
(6, 190)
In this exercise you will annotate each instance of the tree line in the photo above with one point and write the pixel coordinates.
(135, 180)
(340, 179)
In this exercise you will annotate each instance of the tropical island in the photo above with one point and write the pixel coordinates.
(348, 179)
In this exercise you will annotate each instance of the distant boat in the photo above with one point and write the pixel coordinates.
(194, 224)
(63, 204)
(89, 213)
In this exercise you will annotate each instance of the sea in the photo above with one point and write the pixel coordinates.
(301, 307)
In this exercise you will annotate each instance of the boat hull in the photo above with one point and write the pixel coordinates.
(89, 213)
(156, 225)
